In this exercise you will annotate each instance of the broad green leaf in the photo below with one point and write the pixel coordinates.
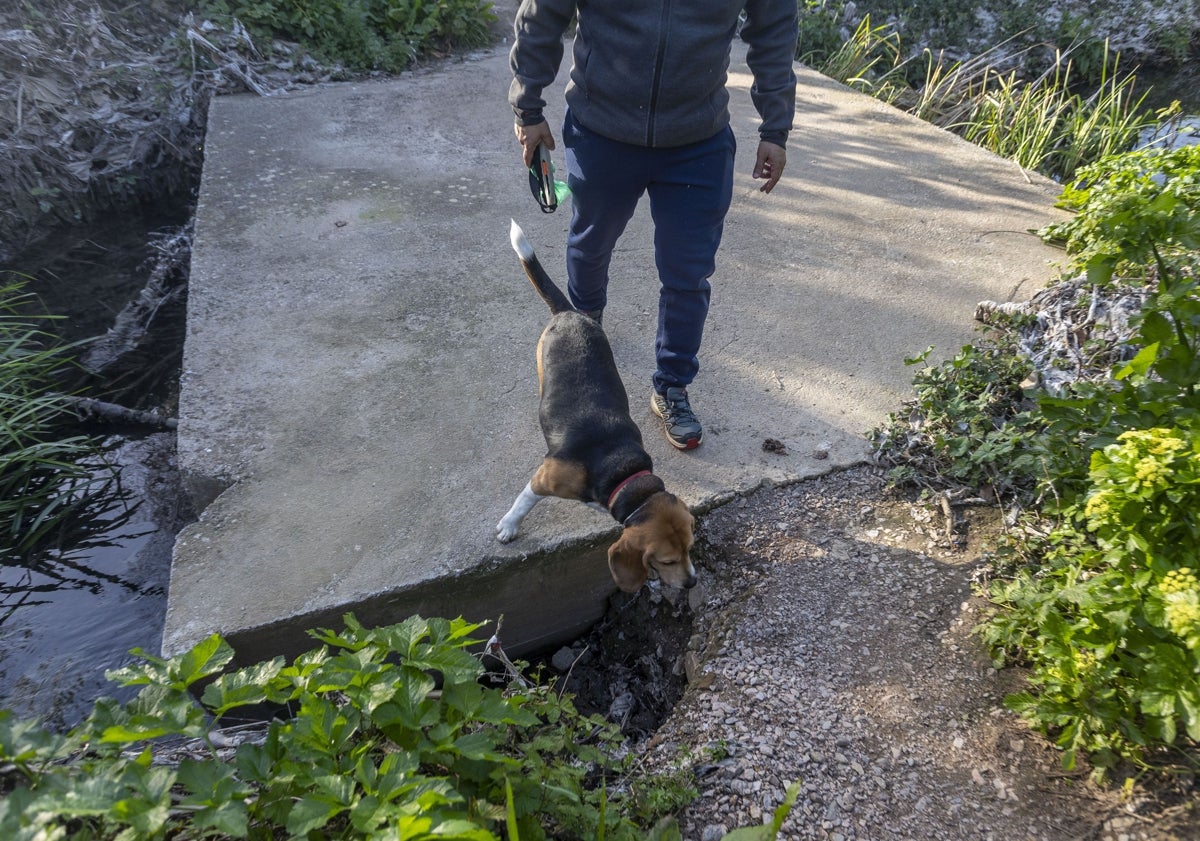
(1189, 704)
(478, 745)
(403, 638)
(152, 670)
(455, 665)
(457, 829)
(464, 696)
(310, 813)
(230, 817)
(410, 708)
(204, 659)
(243, 687)
(1100, 269)
(496, 708)
(25, 740)
(254, 763)
(1156, 328)
(90, 797)
(1140, 364)
(146, 817)
(209, 782)
(339, 789)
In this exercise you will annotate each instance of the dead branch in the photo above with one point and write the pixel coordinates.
(90, 408)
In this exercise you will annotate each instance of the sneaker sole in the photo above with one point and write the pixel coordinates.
(689, 444)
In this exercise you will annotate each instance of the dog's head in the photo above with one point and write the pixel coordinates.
(657, 538)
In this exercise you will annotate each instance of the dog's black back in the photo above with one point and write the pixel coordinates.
(584, 408)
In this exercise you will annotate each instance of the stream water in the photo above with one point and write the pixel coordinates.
(68, 615)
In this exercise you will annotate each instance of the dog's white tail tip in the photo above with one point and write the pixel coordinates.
(519, 243)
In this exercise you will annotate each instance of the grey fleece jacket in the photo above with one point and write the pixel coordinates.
(653, 73)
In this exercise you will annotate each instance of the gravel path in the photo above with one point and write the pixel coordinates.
(832, 646)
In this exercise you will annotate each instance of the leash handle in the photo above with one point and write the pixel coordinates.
(541, 180)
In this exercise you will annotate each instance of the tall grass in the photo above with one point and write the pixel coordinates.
(1041, 123)
(868, 61)
(51, 480)
(1045, 127)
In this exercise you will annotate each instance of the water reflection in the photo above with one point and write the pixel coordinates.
(69, 614)
(1181, 131)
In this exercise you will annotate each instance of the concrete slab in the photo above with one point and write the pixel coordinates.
(359, 399)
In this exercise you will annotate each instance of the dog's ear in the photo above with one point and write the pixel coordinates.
(627, 565)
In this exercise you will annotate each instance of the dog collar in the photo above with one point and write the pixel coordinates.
(612, 496)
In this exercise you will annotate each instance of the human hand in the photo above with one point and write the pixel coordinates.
(530, 136)
(769, 164)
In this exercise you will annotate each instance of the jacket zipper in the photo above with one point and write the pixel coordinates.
(659, 61)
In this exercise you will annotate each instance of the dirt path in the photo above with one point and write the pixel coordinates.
(833, 647)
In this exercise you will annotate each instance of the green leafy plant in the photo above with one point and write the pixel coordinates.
(819, 31)
(1136, 214)
(389, 732)
(365, 34)
(1099, 597)
(1111, 628)
(972, 432)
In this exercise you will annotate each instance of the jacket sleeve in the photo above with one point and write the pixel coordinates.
(770, 33)
(536, 54)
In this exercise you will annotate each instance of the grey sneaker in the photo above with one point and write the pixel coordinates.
(679, 421)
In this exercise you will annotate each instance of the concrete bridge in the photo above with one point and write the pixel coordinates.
(359, 399)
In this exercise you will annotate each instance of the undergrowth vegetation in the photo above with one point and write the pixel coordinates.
(1096, 590)
(394, 732)
(386, 35)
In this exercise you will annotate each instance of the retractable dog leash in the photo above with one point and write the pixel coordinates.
(548, 192)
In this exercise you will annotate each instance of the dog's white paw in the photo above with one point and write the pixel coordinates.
(506, 531)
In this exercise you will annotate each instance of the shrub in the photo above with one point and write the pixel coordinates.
(365, 34)
(1107, 619)
(970, 429)
(390, 734)
(1110, 624)
(820, 31)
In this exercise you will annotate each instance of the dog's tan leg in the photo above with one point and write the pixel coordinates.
(510, 523)
(556, 477)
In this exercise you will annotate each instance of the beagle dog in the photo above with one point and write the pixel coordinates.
(594, 449)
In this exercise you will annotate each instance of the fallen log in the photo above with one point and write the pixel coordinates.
(89, 408)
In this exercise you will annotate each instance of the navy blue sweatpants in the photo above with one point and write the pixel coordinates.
(690, 189)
